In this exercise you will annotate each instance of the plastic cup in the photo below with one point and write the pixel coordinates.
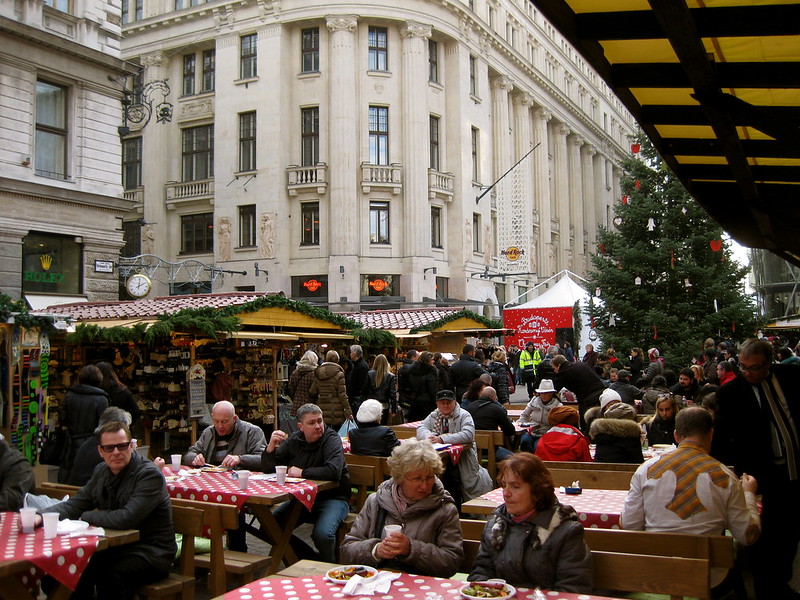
(27, 517)
(244, 479)
(176, 461)
(50, 520)
(388, 530)
(280, 471)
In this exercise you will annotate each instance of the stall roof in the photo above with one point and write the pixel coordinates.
(408, 318)
(715, 84)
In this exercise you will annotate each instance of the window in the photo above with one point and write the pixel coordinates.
(247, 225)
(132, 10)
(433, 127)
(51, 130)
(188, 74)
(476, 232)
(473, 82)
(378, 44)
(198, 153)
(472, 5)
(197, 234)
(442, 288)
(490, 16)
(62, 5)
(132, 163)
(136, 85)
(209, 70)
(132, 236)
(436, 227)
(310, 135)
(248, 66)
(378, 135)
(309, 214)
(51, 264)
(475, 157)
(378, 222)
(310, 286)
(380, 285)
(310, 50)
(433, 61)
(247, 141)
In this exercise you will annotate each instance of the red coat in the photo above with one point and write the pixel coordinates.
(564, 442)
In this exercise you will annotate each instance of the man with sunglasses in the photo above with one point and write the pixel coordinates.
(125, 492)
(756, 431)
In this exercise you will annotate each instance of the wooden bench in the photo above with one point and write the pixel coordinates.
(404, 432)
(485, 442)
(593, 478)
(599, 466)
(56, 490)
(179, 586)
(378, 463)
(362, 477)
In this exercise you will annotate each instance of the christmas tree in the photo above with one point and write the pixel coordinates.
(664, 274)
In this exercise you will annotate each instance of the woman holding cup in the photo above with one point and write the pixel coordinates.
(411, 522)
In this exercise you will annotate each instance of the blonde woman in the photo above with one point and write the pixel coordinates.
(383, 387)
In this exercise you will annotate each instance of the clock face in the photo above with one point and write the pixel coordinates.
(138, 286)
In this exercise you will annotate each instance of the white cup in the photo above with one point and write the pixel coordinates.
(27, 517)
(390, 529)
(280, 472)
(176, 461)
(244, 479)
(50, 520)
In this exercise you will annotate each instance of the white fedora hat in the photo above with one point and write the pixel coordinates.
(546, 385)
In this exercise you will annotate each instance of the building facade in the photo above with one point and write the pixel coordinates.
(350, 152)
(61, 200)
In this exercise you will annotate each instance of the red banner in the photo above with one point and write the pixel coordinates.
(536, 324)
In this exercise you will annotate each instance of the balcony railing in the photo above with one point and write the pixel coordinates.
(440, 185)
(135, 195)
(381, 177)
(312, 179)
(176, 192)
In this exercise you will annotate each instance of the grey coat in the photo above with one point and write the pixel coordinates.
(548, 551)
(537, 412)
(475, 479)
(248, 442)
(431, 524)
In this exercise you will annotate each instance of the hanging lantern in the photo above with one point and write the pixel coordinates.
(651, 224)
(635, 148)
(637, 281)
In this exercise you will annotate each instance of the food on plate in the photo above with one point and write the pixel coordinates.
(212, 469)
(346, 573)
(487, 590)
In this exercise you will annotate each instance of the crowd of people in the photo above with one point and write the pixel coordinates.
(734, 407)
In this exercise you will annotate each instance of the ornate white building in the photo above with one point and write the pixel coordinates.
(347, 150)
(61, 200)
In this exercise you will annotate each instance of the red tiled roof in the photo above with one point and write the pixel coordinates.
(401, 319)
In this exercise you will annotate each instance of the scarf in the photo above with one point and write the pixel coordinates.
(439, 419)
(539, 535)
(400, 500)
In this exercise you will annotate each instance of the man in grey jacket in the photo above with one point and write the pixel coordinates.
(229, 442)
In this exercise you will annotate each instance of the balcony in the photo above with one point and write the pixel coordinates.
(186, 191)
(440, 185)
(136, 196)
(312, 179)
(381, 177)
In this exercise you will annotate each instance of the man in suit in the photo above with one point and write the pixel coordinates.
(756, 431)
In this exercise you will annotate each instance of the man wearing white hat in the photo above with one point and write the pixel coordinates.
(536, 414)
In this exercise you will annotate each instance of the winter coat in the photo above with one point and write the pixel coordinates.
(564, 442)
(122, 397)
(627, 391)
(637, 364)
(536, 413)
(445, 377)
(475, 479)
(617, 440)
(464, 371)
(581, 380)
(248, 442)
(431, 524)
(16, 478)
(386, 394)
(499, 372)
(329, 392)
(86, 460)
(660, 431)
(488, 415)
(424, 384)
(80, 413)
(547, 551)
(322, 460)
(371, 439)
(300, 385)
(654, 368)
(404, 392)
(358, 384)
(136, 498)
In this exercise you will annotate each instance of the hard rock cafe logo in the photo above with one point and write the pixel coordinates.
(312, 285)
(513, 253)
(378, 285)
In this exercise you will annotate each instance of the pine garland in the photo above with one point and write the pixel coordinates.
(281, 301)
(467, 314)
(376, 338)
(22, 315)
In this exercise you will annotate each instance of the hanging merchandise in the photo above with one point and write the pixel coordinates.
(611, 321)
(617, 221)
(625, 198)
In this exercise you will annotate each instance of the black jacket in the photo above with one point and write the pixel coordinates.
(661, 432)
(322, 460)
(464, 371)
(499, 372)
(80, 413)
(490, 416)
(386, 394)
(580, 379)
(424, 384)
(627, 391)
(371, 439)
(16, 478)
(86, 460)
(404, 391)
(618, 440)
(358, 382)
(123, 398)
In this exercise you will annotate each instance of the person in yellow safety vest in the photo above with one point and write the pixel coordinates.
(529, 359)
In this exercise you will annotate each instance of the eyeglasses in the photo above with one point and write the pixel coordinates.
(752, 369)
(109, 448)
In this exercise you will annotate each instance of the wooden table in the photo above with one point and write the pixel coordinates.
(12, 588)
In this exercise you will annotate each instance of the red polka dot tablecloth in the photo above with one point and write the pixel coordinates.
(407, 587)
(595, 508)
(411, 424)
(222, 488)
(61, 557)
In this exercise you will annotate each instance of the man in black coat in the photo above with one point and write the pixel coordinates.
(358, 383)
(405, 392)
(465, 370)
(756, 431)
(489, 415)
(623, 386)
(580, 379)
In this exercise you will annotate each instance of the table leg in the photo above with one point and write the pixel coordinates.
(279, 536)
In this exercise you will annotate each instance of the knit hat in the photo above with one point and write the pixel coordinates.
(370, 411)
(609, 396)
(563, 414)
(621, 411)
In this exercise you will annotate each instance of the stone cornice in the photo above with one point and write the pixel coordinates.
(28, 191)
(413, 29)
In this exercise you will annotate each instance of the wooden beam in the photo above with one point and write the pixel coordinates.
(757, 75)
(711, 147)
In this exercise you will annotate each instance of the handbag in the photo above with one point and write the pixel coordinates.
(511, 387)
(344, 430)
(54, 448)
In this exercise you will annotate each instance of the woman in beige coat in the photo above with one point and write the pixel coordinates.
(329, 392)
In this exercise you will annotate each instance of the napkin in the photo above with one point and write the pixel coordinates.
(99, 531)
(72, 526)
(367, 586)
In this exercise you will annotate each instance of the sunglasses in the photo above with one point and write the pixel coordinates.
(109, 448)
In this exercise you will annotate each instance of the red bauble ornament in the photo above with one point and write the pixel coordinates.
(716, 245)
(635, 148)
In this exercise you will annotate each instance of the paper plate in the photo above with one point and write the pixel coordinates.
(496, 589)
(343, 574)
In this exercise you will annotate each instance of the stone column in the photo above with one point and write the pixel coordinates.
(541, 187)
(344, 198)
(501, 88)
(519, 229)
(576, 201)
(561, 195)
(589, 201)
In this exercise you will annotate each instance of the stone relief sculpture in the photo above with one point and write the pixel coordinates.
(467, 240)
(224, 238)
(266, 242)
(148, 239)
(569, 259)
(487, 245)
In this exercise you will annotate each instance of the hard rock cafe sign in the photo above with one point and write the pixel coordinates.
(513, 253)
(312, 285)
(378, 285)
